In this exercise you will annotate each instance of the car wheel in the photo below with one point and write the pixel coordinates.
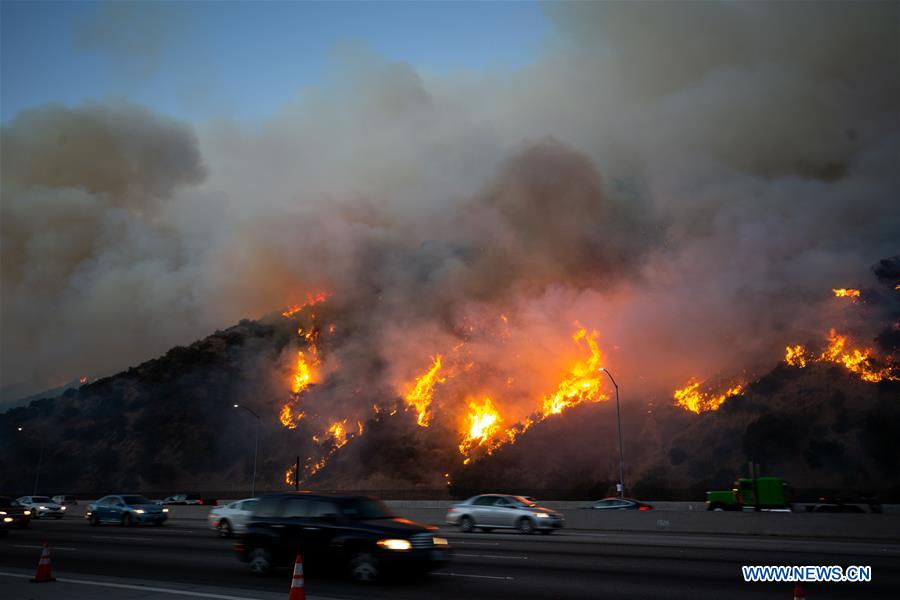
(364, 567)
(525, 526)
(126, 520)
(95, 520)
(224, 529)
(467, 525)
(260, 561)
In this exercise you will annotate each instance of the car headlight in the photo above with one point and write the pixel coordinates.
(27, 513)
(542, 515)
(139, 511)
(42, 507)
(395, 544)
(7, 519)
(165, 510)
(62, 508)
(2, 512)
(438, 541)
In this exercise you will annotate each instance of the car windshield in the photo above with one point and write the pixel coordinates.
(40, 499)
(364, 509)
(132, 500)
(523, 501)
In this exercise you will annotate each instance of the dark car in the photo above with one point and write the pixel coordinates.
(125, 509)
(13, 513)
(189, 499)
(619, 504)
(353, 533)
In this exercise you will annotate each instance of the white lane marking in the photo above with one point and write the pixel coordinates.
(122, 537)
(41, 547)
(478, 543)
(490, 556)
(475, 576)
(145, 588)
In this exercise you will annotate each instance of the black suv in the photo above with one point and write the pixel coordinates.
(355, 533)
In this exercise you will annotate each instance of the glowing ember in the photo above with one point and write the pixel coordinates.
(419, 397)
(583, 382)
(482, 423)
(795, 356)
(846, 292)
(83, 379)
(692, 398)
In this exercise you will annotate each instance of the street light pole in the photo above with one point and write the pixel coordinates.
(255, 448)
(621, 485)
(37, 472)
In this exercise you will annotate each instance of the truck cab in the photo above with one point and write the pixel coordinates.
(760, 493)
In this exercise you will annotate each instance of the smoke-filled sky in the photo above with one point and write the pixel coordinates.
(690, 179)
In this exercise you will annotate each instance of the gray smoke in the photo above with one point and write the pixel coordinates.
(690, 179)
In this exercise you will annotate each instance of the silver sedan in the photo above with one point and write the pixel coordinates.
(501, 511)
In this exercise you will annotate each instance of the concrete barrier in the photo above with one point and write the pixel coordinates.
(679, 520)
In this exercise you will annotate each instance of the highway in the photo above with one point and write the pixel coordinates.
(567, 564)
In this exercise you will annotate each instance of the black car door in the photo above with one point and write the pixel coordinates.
(293, 522)
(321, 526)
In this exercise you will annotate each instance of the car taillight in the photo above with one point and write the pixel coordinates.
(644, 508)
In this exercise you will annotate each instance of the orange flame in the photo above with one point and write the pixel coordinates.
(482, 423)
(846, 292)
(855, 360)
(795, 356)
(419, 396)
(83, 379)
(311, 300)
(692, 398)
(583, 382)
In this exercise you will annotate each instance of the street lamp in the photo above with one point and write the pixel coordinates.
(255, 448)
(37, 472)
(621, 485)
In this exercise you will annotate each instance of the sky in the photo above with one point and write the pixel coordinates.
(201, 60)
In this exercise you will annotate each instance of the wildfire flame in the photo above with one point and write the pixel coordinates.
(846, 292)
(311, 300)
(419, 397)
(692, 398)
(583, 382)
(795, 356)
(482, 423)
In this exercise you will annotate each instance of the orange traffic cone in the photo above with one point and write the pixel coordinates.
(43, 571)
(798, 592)
(298, 592)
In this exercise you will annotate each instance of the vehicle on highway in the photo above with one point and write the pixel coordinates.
(42, 506)
(232, 518)
(18, 515)
(188, 499)
(751, 493)
(65, 500)
(500, 511)
(125, 509)
(619, 504)
(356, 534)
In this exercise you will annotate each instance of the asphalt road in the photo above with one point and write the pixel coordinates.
(567, 564)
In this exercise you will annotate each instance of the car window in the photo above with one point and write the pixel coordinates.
(132, 500)
(485, 500)
(621, 503)
(365, 509)
(522, 500)
(502, 502)
(233, 506)
(268, 507)
(295, 508)
(323, 509)
(109, 501)
(602, 503)
(40, 499)
(248, 505)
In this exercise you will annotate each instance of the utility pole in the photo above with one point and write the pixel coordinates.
(621, 485)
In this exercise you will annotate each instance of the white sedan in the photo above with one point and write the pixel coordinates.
(42, 506)
(232, 518)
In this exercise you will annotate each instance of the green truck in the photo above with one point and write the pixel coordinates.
(760, 493)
